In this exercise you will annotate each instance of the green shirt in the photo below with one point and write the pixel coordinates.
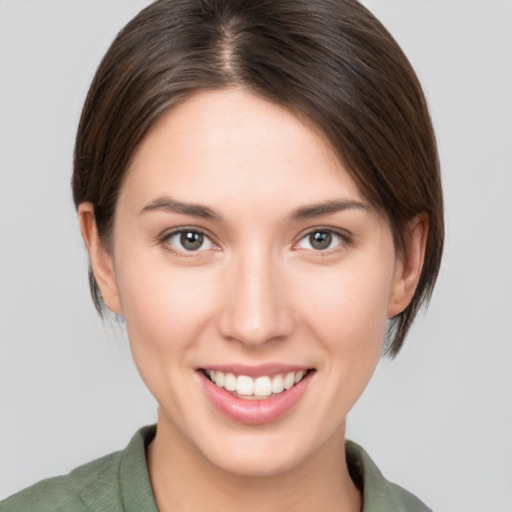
(119, 482)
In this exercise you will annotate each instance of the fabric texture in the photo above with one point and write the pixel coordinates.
(119, 482)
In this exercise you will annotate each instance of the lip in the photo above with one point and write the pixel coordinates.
(254, 412)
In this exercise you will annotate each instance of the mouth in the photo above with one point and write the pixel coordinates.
(255, 396)
(256, 388)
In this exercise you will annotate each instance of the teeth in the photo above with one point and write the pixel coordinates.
(230, 382)
(263, 386)
(244, 385)
(289, 380)
(299, 376)
(277, 384)
(220, 379)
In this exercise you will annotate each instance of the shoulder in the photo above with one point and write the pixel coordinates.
(111, 483)
(379, 494)
(69, 492)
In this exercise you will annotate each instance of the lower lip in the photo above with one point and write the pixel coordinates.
(254, 412)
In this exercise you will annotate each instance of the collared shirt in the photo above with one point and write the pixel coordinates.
(119, 482)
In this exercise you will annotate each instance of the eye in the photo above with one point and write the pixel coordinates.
(321, 240)
(188, 240)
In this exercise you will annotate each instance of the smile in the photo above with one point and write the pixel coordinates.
(265, 395)
(249, 388)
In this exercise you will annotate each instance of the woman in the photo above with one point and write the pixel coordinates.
(258, 187)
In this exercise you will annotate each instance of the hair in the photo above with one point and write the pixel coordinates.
(331, 62)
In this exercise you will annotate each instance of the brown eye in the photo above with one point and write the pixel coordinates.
(191, 240)
(323, 240)
(187, 241)
(320, 240)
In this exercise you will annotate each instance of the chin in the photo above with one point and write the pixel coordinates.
(256, 463)
(261, 454)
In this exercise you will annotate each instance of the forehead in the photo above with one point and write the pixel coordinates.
(229, 144)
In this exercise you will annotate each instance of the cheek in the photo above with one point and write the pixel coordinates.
(348, 308)
(165, 308)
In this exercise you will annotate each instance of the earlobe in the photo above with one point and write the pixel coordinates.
(101, 260)
(409, 266)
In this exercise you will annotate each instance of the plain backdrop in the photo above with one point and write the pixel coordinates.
(437, 420)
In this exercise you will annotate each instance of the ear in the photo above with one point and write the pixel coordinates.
(101, 260)
(408, 266)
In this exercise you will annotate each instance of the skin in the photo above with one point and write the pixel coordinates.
(257, 291)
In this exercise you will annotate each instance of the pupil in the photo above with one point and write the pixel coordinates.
(191, 241)
(320, 240)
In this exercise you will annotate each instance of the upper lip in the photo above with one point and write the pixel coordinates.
(260, 370)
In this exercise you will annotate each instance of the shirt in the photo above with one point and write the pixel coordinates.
(120, 482)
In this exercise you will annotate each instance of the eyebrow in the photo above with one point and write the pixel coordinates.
(197, 210)
(170, 205)
(327, 208)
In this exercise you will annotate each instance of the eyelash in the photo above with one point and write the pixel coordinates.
(344, 240)
(165, 239)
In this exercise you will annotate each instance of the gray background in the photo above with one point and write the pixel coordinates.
(438, 419)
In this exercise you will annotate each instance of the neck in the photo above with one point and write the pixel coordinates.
(183, 479)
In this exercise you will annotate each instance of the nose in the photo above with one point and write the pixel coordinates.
(257, 305)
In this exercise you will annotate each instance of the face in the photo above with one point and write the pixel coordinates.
(254, 278)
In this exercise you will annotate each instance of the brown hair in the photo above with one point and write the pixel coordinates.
(330, 61)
